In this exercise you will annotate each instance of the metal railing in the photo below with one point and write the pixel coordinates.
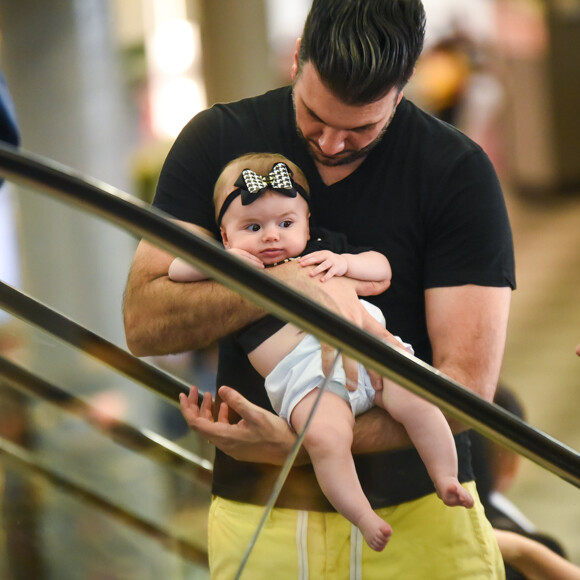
(420, 378)
(23, 460)
(143, 441)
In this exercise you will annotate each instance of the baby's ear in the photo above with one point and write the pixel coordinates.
(224, 237)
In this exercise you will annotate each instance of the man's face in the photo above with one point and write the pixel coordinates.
(337, 133)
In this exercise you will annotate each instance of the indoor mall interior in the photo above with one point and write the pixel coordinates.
(101, 88)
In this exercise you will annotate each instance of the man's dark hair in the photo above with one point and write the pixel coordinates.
(363, 48)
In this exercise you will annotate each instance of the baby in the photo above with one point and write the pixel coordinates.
(262, 209)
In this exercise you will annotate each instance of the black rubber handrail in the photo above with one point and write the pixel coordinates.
(40, 315)
(206, 254)
(143, 441)
(28, 462)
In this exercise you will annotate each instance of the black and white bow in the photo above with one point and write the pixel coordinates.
(253, 185)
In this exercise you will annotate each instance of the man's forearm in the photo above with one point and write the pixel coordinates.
(467, 328)
(207, 311)
(163, 317)
(377, 431)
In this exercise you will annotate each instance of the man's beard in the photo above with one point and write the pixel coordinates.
(344, 157)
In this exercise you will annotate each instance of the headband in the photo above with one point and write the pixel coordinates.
(250, 185)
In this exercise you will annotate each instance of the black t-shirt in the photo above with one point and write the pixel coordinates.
(427, 197)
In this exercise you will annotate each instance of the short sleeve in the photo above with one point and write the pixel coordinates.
(469, 238)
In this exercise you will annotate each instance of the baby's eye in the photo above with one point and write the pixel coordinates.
(286, 224)
(253, 227)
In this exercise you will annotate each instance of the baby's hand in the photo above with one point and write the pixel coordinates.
(325, 261)
(247, 257)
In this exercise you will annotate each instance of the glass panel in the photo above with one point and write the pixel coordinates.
(51, 528)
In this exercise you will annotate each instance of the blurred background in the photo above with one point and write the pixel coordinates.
(104, 86)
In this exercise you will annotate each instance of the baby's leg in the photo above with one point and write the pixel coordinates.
(430, 433)
(328, 441)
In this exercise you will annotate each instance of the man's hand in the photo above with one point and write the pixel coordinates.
(259, 436)
(342, 298)
(263, 437)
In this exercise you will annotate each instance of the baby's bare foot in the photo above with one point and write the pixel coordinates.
(452, 493)
(375, 530)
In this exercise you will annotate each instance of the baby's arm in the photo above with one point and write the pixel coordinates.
(369, 266)
(182, 271)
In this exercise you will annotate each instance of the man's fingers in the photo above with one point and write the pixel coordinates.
(328, 355)
(238, 403)
(351, 371)
(376, 380)
(186, 407)
(223, 414)
(374, 327)
(350, 366)
(188, 403)
(206, 409)
(214, 432)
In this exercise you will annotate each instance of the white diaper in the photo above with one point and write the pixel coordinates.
(301, 372)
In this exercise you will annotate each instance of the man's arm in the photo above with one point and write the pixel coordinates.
(163, 317)
(467, 325)
(467, 328)
(261, 436)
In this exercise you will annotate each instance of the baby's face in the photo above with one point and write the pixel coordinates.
(272, 228)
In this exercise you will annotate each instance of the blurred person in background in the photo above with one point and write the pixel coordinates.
(9, 271)
(18, 500)
(496, 469)
(456, 77)
(528, 553)
(9, 131)
(528, 559)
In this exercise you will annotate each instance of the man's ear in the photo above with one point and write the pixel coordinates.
(295, 65)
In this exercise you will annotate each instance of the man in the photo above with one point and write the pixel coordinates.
(391, 178)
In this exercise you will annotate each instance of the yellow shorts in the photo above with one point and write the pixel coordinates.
(430, 541)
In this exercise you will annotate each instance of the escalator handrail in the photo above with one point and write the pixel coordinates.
(145, 442)
(418, 377)
(28, 462)
(34, 312)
